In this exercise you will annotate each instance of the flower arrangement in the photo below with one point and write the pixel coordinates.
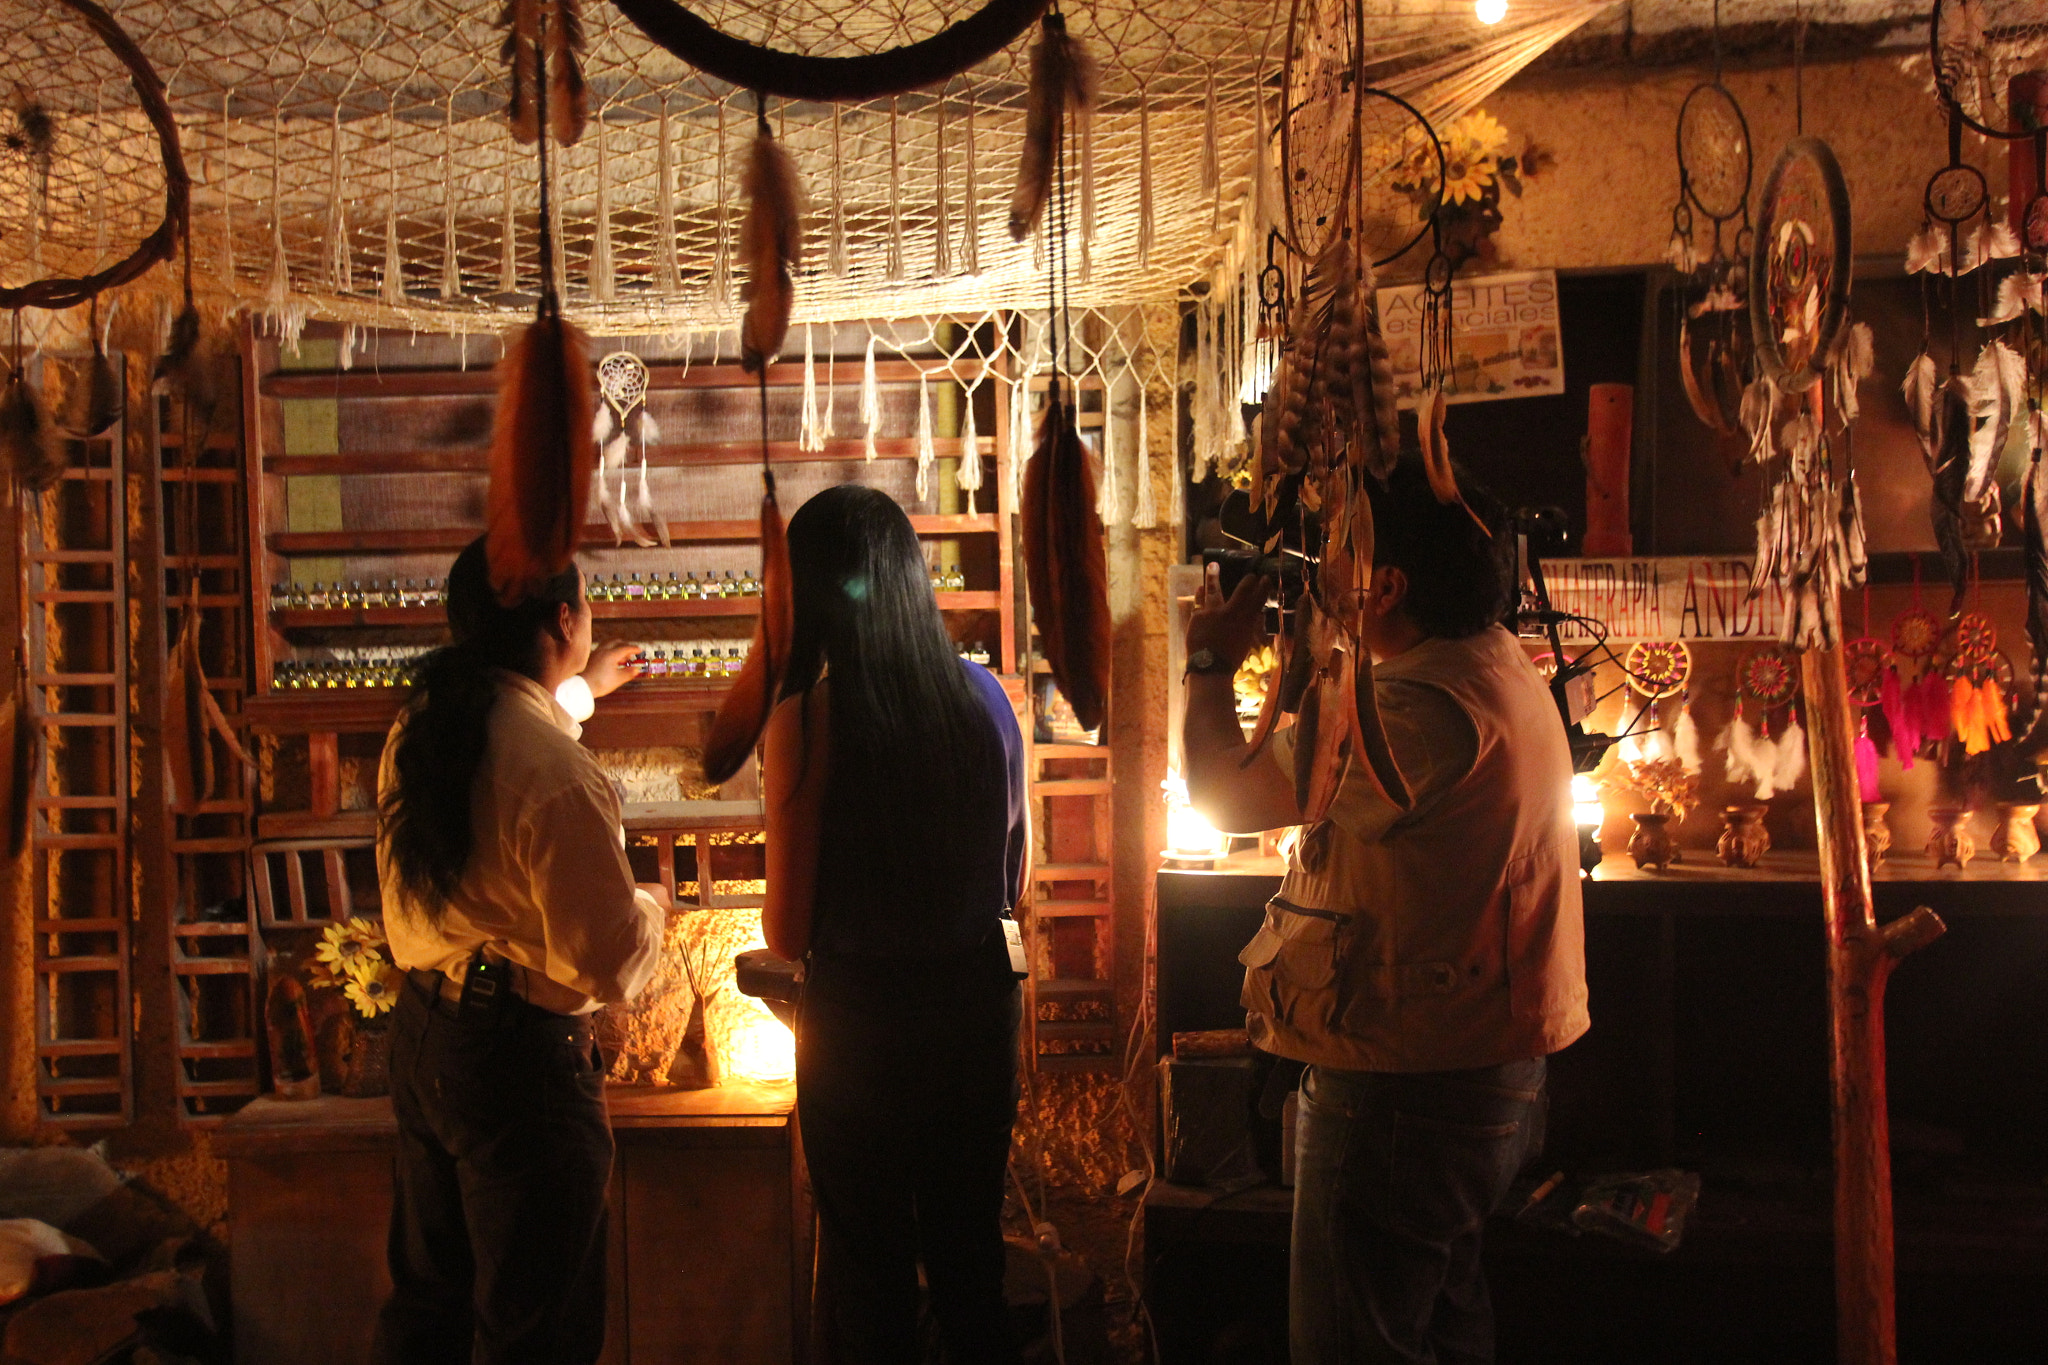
(353, 957)
(1477, 166)
(1662, 782)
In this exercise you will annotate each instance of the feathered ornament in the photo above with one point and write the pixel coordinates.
(94, 400)
(1745, 758)
(1922, 392)
(558, 24)
(1901, 720)
(1789, 763)
(541, 455)
(1866, 767)
(28, 442)
(744, 711)
(1685, 740)
(1062, 79)
(771, 238)
(1065, 565)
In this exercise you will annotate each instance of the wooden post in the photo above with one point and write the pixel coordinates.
(1861, 955)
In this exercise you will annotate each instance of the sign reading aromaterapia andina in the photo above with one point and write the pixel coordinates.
(1505, 341)
(1677, 598)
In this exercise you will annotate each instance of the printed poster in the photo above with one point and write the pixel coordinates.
(1505, 340)
(1705, 597)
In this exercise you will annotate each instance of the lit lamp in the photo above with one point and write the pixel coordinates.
(1587, 813)
(1191, 841)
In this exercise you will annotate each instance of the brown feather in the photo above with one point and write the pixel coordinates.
(29, 444)
(521, 21)
(542, 454)
(772, 242)
(188, 756)
(1065, 564)
(744, 711)
(568, 101)
(18, 730)
(1062, 78)
(94, 400)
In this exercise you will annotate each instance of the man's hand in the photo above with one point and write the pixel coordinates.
(608, 670)
(1228, 629)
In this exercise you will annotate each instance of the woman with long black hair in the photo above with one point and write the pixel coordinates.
(894, 779)
(508, 898)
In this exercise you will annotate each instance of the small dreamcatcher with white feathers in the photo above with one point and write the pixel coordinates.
(622, 428)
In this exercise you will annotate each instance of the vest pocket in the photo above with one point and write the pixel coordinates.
(1291, 967)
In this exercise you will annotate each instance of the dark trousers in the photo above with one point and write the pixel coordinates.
(906, 1109)
(497, 1240)
(1395, 1176)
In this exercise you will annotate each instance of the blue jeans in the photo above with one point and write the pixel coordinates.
(1394, 1178)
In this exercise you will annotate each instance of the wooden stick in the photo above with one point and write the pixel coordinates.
(1861, 955)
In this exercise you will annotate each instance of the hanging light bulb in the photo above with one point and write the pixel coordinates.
(1492, 11)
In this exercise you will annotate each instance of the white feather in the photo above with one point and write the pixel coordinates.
(1922, 391)
(1685, 739)
(1790, 759)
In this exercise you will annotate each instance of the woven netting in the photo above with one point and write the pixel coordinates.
(352, 161)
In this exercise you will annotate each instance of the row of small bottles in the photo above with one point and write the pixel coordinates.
(304, 675)
(355, 595)
(718, 660)
(673, 588)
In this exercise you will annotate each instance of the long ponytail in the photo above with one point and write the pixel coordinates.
(435, 755)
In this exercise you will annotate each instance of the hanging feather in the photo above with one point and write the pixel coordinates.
(744, 711)
(1145, 224)
(1928, 252)
(1922, 392)
(611, 456)
(1062, 78)
(541, 457)
(93, 395)
(1901, 720)
(1790, 765)
(1738, 745)
(1867, 789)
(665, 278)
(603, 269)
(1065, 565)
(18, 735)
(771, 238)
(870, 399)
(1951, 477)
(970, 227)
(1991, 705)
(1685, 740)
(520, 52)
(968, 476)
(568, 101)
(926, 454)
(28, 442)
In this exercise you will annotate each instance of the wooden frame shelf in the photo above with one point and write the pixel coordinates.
(660, 455)
(662, 376)
(406, 540)
(292, 618)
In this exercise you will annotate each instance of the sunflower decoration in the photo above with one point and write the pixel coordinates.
(354, 958)
(375, 989)
(1477, 168)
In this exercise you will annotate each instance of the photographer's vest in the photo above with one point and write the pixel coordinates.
(1458, 939)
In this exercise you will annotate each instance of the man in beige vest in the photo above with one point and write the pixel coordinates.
(1421, 962)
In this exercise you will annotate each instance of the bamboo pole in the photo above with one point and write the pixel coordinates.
(1861, 955)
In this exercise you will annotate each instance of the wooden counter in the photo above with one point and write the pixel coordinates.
(710, 1229)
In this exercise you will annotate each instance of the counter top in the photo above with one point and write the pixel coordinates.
(333, 1123)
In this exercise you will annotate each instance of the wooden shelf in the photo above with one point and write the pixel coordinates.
(306, 618)
(665, 455)
(661, 375)
(446, 539)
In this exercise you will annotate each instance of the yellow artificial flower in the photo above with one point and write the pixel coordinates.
(342, 945)
(1481, 133)
(376, 990)
(1467, 179)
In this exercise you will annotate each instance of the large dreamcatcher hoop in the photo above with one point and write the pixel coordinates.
(1977, 47)
(67, 292)
(1799, 264)
(868, 75)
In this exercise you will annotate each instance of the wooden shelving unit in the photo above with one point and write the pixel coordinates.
(74, 543)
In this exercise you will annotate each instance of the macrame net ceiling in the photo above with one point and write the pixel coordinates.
(351, 160)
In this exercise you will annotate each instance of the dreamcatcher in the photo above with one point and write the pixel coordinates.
(622, 422)
(1799, 408)
(1715, 164)
(1987, 56)
(1771, 752)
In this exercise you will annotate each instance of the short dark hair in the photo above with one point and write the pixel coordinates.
(1456, 559)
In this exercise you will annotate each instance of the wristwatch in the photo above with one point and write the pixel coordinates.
(1205, 662)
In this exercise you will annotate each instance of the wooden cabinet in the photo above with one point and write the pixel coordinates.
(710, 1250)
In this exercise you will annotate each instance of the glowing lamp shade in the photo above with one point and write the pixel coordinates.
(1491, 11)
(1586, 808)
(757, 1046)
(1188, 835)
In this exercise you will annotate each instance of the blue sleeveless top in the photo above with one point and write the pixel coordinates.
(861, 911)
